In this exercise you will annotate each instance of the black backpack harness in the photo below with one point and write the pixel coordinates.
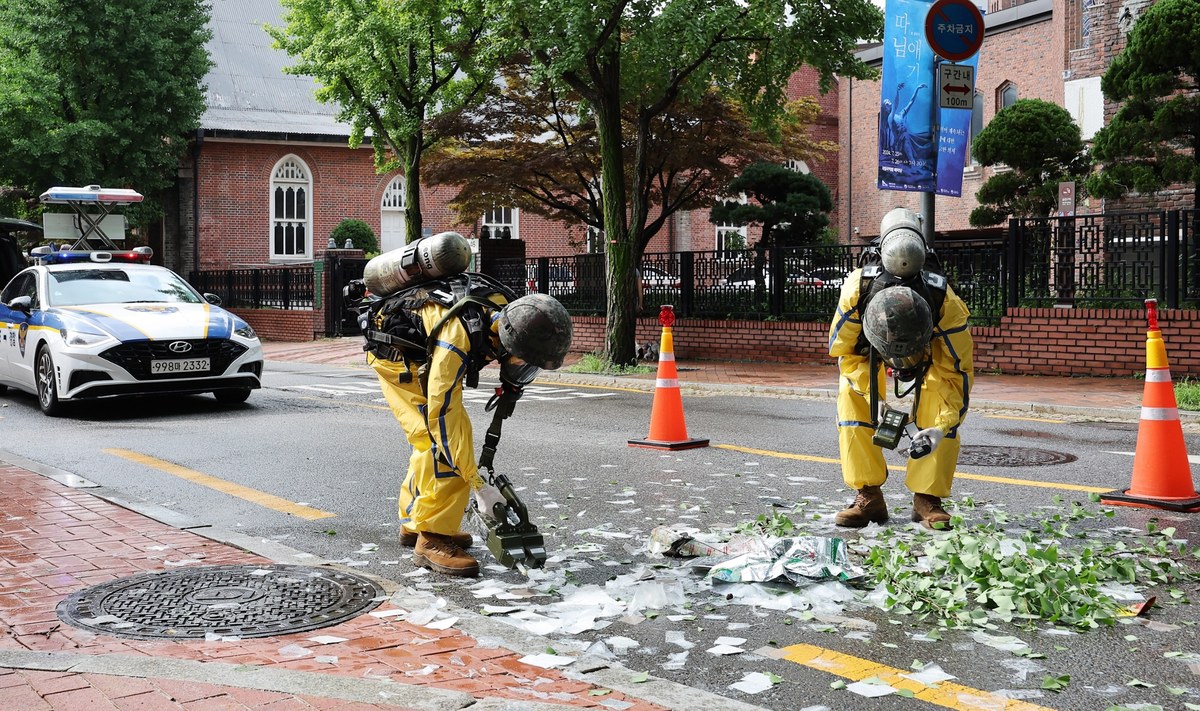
(394, 331)
(930, 284)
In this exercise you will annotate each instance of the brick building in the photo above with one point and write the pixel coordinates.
(270, 174)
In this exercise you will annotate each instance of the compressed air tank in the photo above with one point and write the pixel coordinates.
(439, 255)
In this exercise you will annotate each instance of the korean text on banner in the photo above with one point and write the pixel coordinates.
(907, 156)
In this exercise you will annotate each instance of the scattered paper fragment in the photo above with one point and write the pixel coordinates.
(753, 683)
(871, 691)
(547, 661)
(929, 675)
(442, 624)
(722, 650)
(326, 639)
(731, 641)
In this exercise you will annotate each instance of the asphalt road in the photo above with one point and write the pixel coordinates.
(319, 459)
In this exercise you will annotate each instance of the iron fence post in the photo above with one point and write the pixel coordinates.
(1012, 290)
(778, 280)
(687, 282)
(1171, 267)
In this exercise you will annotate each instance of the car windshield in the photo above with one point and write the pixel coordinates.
(80, 287)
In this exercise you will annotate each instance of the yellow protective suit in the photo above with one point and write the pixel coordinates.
(442, 469)
(945, 395)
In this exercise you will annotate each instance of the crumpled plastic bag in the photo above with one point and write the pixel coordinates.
(684, 542)
(802, 560)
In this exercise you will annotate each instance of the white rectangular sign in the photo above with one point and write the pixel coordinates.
(956, 86)
(64, 225)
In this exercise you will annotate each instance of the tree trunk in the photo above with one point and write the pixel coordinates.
(620, 251)
(412, 188)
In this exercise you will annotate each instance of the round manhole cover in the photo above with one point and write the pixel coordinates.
(988, 456)
(226, 600)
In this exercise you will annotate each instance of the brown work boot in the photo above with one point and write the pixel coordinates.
(929, 512)
(438, 552)
(868, 507)
(408, 539)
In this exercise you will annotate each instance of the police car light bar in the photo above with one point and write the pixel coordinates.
(48, 255)
(91, 193)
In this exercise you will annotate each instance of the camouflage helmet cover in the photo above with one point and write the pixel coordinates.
(537, 329)
(898, 324)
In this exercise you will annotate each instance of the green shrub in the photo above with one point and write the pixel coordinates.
(358, 232)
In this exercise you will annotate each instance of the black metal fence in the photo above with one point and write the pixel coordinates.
(290, 288)
(1113, 260)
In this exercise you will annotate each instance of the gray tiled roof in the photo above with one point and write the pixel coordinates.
(247, 90)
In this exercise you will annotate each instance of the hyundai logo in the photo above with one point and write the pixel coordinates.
(180, 347)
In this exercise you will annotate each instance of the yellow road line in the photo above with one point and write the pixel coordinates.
(946, 693)
(957, 474)
(227, 487)
(1024, 419)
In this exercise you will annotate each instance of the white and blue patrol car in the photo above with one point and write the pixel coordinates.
(83, 324)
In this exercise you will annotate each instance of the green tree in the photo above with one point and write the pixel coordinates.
(100, 92)
(630, 61)
(390, 67)
(359, 233)
(535, 148)
(792, 208)
(1153, 141)
(1041, 145)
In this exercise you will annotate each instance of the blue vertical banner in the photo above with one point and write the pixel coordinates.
(919, 150)
(907, 160)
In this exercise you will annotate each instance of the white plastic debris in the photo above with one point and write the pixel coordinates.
(722, 650)
(293, 651)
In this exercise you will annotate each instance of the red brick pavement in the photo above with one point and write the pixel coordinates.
(55, 540)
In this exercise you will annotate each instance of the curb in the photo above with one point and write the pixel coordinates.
(604, 673)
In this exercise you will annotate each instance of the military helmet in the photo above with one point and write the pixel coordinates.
(898, 324)
(901, 245)
(536, 329)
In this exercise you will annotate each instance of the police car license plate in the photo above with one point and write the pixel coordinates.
(179, 365)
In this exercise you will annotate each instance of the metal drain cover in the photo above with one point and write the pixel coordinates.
(225, 600)
(988, 456)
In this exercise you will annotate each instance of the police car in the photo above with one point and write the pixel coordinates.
(83, 324)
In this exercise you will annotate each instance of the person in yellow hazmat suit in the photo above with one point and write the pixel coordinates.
(426, 396)
(900, 319)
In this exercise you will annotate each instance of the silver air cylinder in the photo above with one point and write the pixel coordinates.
(901, 246)
(427, 258)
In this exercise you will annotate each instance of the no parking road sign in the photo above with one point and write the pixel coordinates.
(954, 29)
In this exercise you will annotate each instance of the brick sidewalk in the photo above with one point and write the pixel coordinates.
(57, 540)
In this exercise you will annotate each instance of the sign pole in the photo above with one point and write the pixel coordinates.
(954, 30)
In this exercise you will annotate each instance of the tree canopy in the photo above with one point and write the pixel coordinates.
(535, 148)
(390, 67)
(1041, 145)
(792, 207)
(1153, 140)
(97, 92)
(632, 60)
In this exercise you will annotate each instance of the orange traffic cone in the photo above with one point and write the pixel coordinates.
(667, 428)
(1162, 475)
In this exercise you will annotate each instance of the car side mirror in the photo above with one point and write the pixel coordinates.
(212, 299)
(21, 303)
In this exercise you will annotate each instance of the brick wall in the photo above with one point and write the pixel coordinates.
(1100, 342)
(278, 325)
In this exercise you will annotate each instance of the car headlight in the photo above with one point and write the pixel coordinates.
(83, 339)
(245, 331)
